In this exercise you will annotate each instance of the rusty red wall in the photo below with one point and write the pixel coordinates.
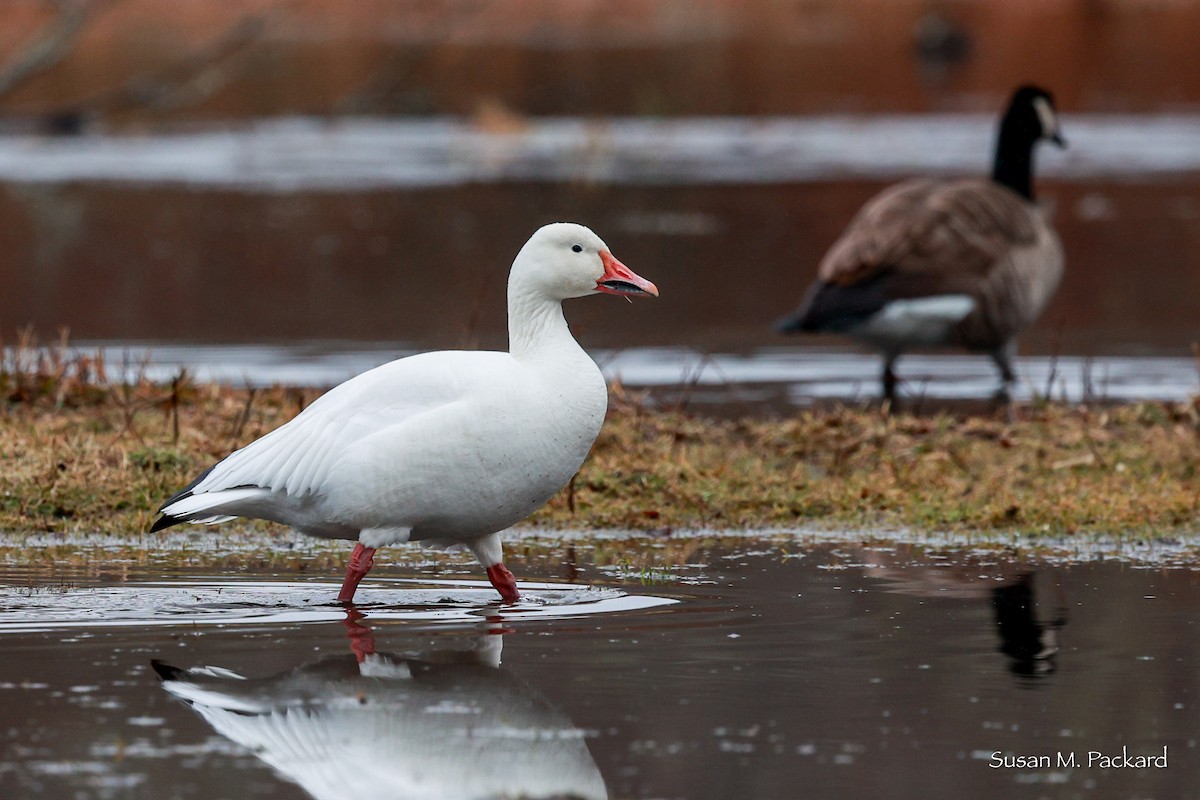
(198, 59)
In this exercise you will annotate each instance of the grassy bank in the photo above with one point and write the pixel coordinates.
(82, 455)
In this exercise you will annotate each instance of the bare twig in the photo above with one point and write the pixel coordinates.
(194, 78)
(174, 405)
(382, 89)
(51, 44)
(243, 418)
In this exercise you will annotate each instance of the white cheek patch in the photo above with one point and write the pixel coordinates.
(1046, 116)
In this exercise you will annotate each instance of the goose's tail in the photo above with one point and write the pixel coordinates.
(211, 507)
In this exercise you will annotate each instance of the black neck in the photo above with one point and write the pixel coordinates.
(1014, 158)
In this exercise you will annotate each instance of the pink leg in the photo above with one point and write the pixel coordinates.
(360, 564)
(362, 641)
(504, 582)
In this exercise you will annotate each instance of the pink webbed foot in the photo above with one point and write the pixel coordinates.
(361, 561)
(504, 582)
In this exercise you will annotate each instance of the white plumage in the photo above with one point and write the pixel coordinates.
(445, 448)
(450, 725)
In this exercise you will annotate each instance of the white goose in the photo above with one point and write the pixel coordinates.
(434, 724)
(445, 448)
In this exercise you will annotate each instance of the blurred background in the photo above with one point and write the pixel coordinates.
(327, 185)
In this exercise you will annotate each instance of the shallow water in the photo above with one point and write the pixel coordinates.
(402, 231)
(753, 666)
(302, 154)
(768, 379)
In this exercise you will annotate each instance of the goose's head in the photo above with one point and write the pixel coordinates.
(564, 260)
(1032, 112)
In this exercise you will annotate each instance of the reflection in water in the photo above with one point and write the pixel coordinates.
(897, 648)
(1030, 642)
(437, 722)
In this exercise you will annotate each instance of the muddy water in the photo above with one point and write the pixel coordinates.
(749, 667)
(399, 234)
(426, 268)
(369, 230)
(769, 380)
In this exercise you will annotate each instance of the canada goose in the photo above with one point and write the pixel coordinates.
(966, 263)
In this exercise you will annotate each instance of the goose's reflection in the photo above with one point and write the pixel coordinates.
(1028, 632)
(1030, 643)
(436, 722)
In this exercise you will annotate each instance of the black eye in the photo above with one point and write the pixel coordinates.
(578, 248)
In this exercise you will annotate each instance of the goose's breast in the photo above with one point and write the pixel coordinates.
(1016, 290)
(474, 466)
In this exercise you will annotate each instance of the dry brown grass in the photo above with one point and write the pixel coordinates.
(1054, 469)
(82, 454)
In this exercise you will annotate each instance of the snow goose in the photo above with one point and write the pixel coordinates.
(445, 448)
(442, 723)
(966, 263)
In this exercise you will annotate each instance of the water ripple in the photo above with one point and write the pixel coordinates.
(223, 603)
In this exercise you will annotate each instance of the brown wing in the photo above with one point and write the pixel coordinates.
(926, 226)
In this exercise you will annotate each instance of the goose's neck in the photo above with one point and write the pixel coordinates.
(1014, 158)
(536, 326)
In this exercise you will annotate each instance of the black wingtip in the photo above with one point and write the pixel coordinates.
(792, 323)
(809, 316)
(187, 490)
(165, 671)
(181, 494)
(832, 308)
(165, 521)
